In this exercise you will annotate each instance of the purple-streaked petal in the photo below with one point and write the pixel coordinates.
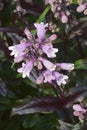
(48, 76)
(60, 78)
(40, 27)
(49, 65)
(18, 50)
(26, 69)
(49, 50)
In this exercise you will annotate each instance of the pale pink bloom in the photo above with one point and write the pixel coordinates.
(18, 50)
(60, 78)
(64, 18)
(77, 107)
(48, 76)
(76, 113)
(26, 69)
(65, 66)
(81, 8)
(49, 50)
(40, 27)
(49, 65)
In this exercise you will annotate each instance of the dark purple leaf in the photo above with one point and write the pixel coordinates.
(12, 30)
(27, 5)
(43, 104)
(31, 7)
(47, 104)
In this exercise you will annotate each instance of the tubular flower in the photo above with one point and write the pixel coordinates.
(65, 66)
(26, 68)
(18, 50)
(35, 55)
(40, 30)
(60, 78)
(49, 65)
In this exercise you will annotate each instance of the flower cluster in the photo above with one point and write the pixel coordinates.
(79, 111)
(36, 55)
(60, 9)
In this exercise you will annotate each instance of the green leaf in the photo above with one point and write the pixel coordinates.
(75, 2)
(76, 127)
(30, 121)
(42, 16)
(80, 64)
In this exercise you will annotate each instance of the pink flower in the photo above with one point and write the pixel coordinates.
(40, 27)
(26, 69)
(79, 111)
(49, 65)
(77, 107)
(60, 78)
(65, 66)
(64, 18)
(49, 50)
(81, 8)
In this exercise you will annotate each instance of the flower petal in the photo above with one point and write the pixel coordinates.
(49, 65)
(40, 27)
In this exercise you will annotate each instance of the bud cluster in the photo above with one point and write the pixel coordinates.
(53, 27)
(80, 111)
(60, 8)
